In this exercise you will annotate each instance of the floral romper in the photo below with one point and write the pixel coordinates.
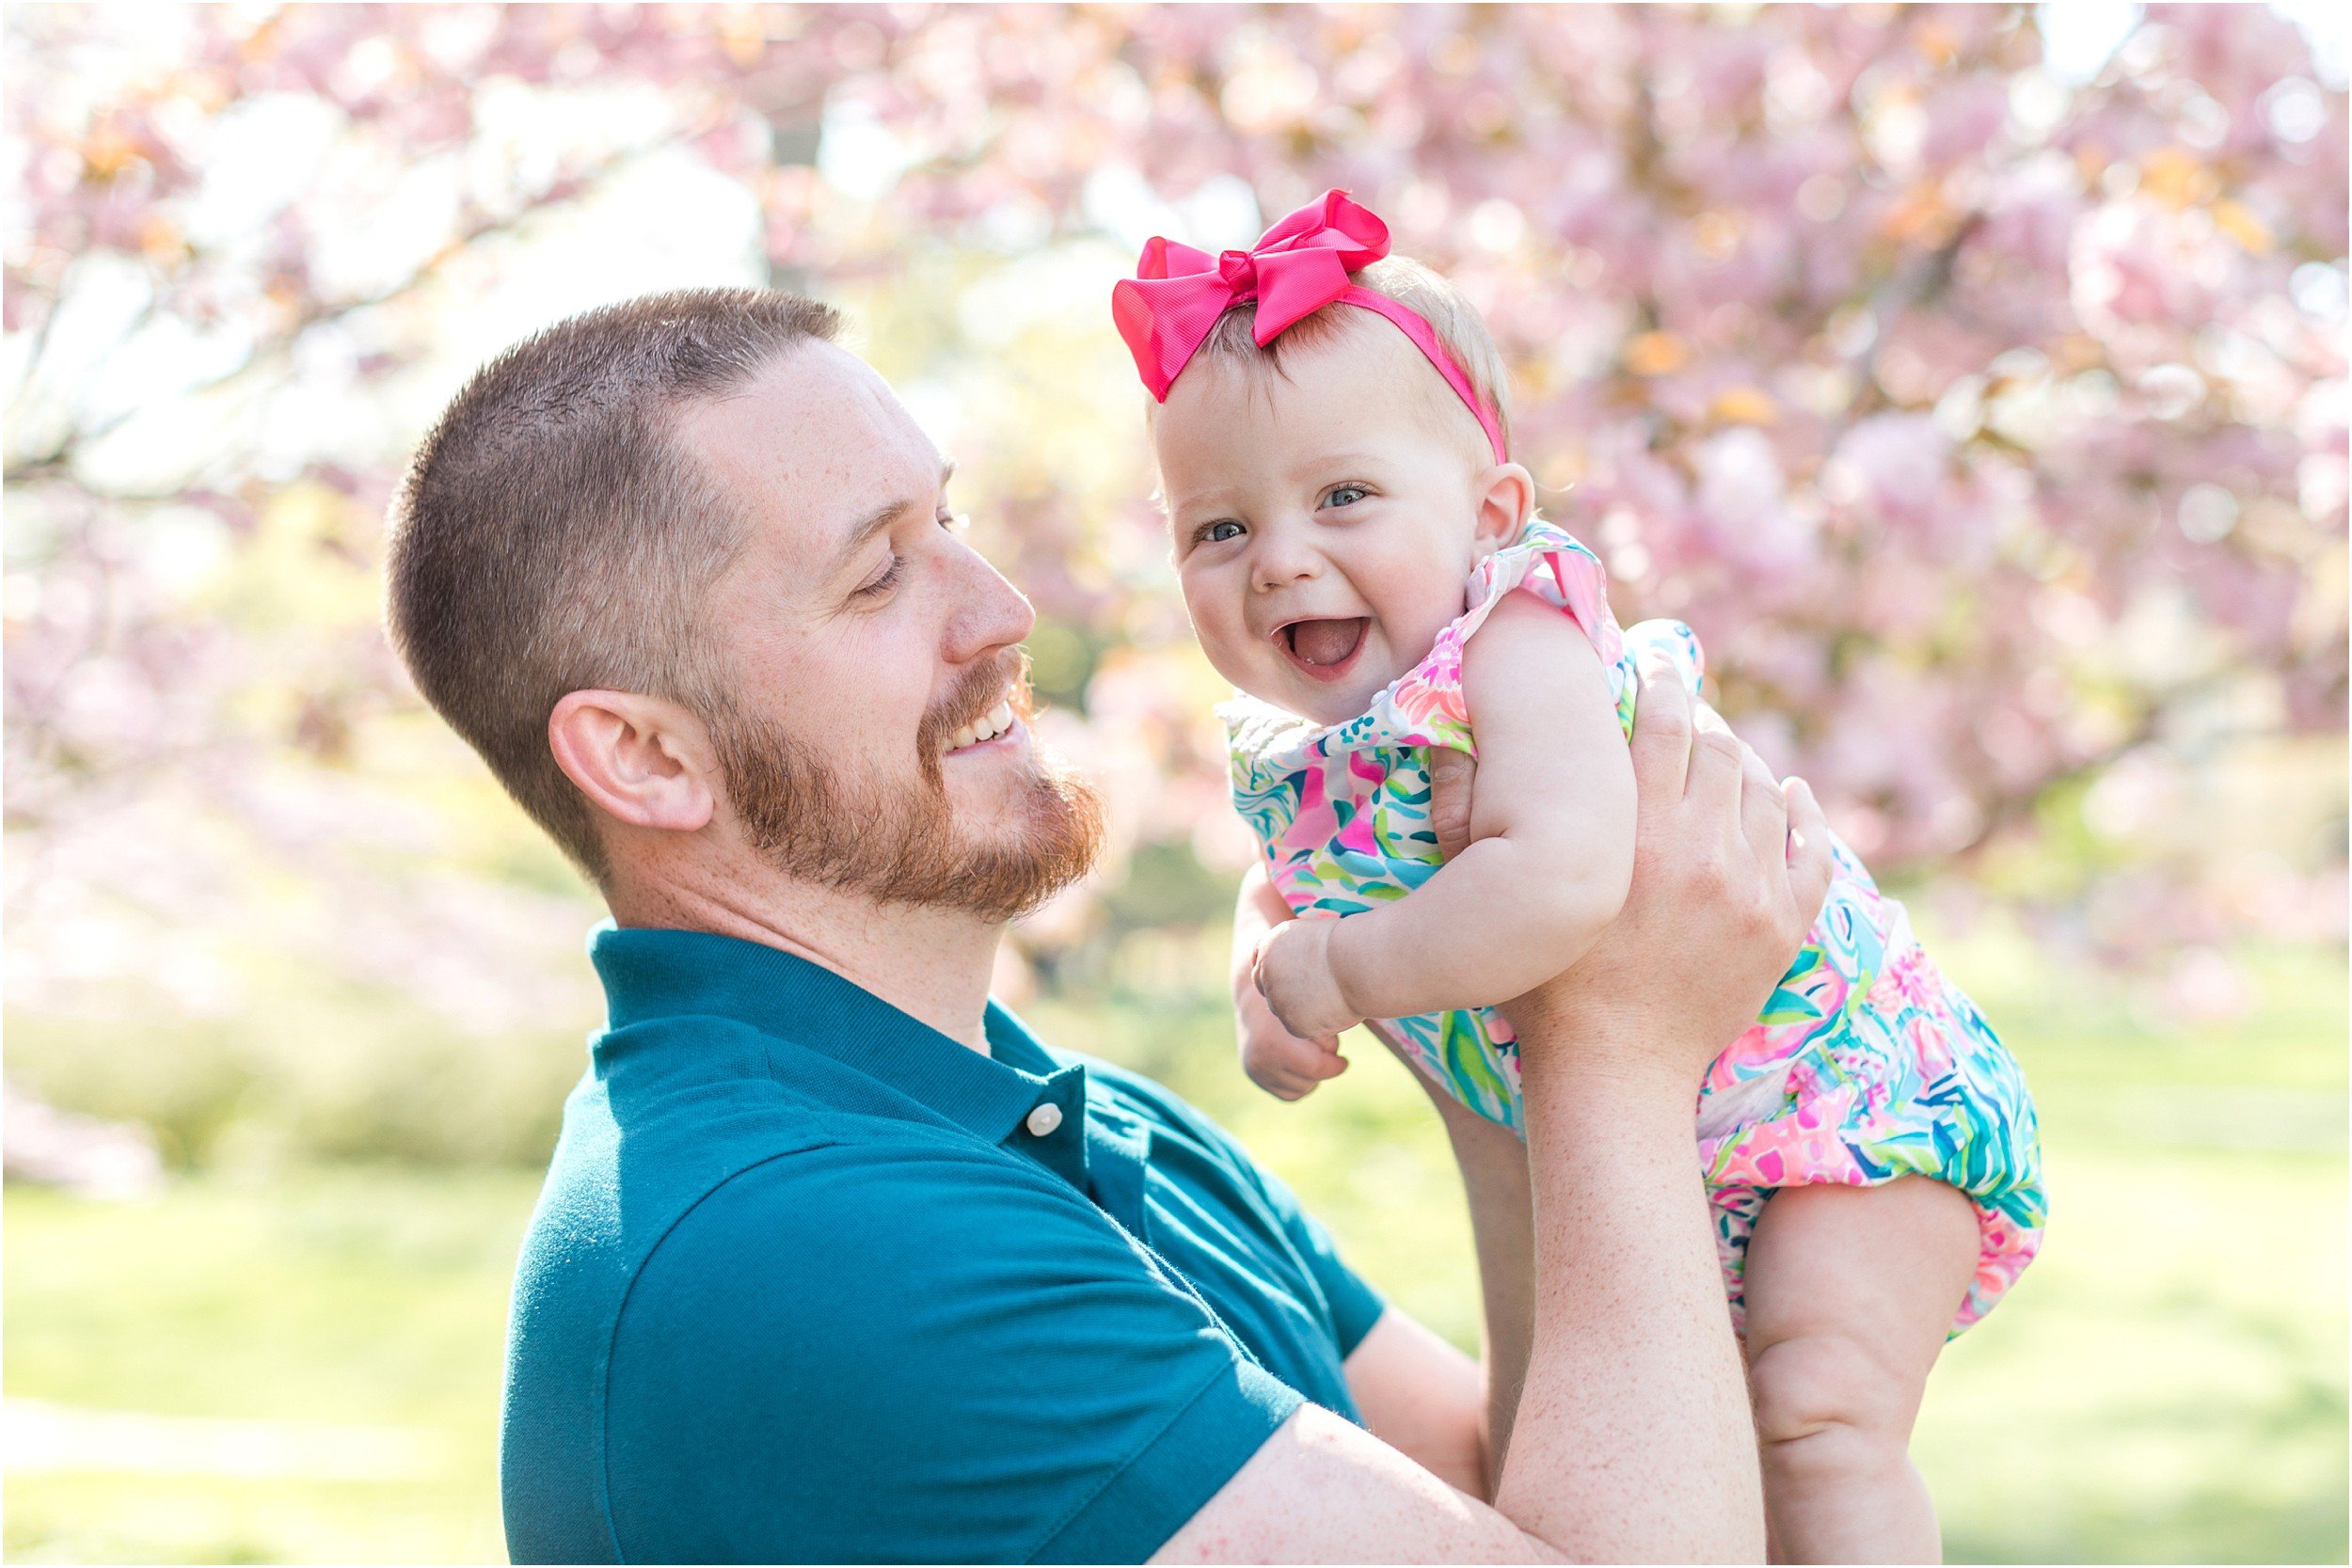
(1866, 1065)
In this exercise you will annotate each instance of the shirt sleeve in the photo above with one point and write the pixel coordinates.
(928, 1357)
(1355, 1305)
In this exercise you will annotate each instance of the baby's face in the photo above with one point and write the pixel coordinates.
(1323, 518)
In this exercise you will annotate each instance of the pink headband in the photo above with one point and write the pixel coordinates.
(1298, 267)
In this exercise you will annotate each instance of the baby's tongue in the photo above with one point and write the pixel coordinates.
(1327, 641)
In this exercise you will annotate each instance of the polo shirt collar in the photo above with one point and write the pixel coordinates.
(650, 973)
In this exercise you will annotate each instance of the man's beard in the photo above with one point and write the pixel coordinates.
(904, 845)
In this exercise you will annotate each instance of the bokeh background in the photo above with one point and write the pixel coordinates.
(1972, 377)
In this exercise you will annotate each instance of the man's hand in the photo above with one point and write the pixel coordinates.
(1729, 870)
(1451, 773)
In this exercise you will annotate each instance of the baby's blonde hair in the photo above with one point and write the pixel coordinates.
(1428, 294)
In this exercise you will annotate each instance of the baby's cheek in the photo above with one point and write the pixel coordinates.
(1216, 622)
(1418, 605)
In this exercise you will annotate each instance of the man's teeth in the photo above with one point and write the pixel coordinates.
(996, 721)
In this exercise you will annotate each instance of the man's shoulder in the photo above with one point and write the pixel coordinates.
(640, 1154)
(634, 1155)
(848, 1329)
(668, 1188)
(621, 1179)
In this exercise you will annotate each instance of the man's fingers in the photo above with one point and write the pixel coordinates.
(1717, 761)
(1809, 861)
(1763, 812)
(1451, 774)
(1661, 730)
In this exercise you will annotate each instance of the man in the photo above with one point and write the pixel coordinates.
(835, 1260)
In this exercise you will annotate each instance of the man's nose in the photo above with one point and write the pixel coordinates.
(989, 613)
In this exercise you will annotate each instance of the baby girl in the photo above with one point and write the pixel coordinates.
(1361, 557)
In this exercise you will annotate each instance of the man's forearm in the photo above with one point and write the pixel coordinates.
(1633, 1437)
(1632, 1442)
(1493, 1164)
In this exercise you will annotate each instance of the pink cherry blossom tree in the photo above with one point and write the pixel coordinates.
(1986, 414)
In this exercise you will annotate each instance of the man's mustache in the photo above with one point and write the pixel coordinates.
(981, 689)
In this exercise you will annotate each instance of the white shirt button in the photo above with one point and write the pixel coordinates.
(1043, 1119)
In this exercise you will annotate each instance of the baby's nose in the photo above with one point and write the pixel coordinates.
(1280, 564)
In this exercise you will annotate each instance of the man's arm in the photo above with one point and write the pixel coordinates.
(1415, 1390)
(1493, 1164)
(1632, 1440)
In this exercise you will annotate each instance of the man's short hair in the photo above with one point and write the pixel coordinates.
(551, 535)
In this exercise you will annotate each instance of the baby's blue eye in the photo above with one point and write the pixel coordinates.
(1346, 495)
(1217, 532)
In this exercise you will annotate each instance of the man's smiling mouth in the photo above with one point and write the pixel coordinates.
(988, 726)
(1324, 649)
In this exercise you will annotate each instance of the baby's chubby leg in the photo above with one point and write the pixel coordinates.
(1849, 1292)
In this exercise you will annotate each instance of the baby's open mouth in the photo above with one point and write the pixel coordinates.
(1324, 649)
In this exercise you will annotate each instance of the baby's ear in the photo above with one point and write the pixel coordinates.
(1506, 498)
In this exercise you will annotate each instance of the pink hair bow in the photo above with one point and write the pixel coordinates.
(1298, 267)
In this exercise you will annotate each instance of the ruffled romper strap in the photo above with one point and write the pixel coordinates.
(1427, 706)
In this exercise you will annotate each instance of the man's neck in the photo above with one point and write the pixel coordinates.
(932, 964)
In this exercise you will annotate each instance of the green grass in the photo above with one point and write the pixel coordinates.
(373, 1297)
(2167, 1384)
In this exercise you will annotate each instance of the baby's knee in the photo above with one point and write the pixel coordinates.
(1828, 1390)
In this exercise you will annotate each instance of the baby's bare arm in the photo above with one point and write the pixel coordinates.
(1257, 909)
(1552, 833)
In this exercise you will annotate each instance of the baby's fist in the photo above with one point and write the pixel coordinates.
(1294, 971)
(1276, 1060)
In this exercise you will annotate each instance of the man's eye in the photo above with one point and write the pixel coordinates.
(1220, 531)
(883, 583)
(954, 522)
(1346, 494)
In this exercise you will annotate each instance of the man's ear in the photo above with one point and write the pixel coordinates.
(1506, 498)
(644, 761)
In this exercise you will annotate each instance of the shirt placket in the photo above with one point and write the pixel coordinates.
(1053, 1132)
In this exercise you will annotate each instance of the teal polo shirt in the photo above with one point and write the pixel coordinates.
(811, 1282)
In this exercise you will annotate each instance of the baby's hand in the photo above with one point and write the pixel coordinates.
(1294, 970)
(1276, 1060)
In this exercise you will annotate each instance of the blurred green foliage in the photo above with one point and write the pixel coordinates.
(2167, 1384)
(329, 1071)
